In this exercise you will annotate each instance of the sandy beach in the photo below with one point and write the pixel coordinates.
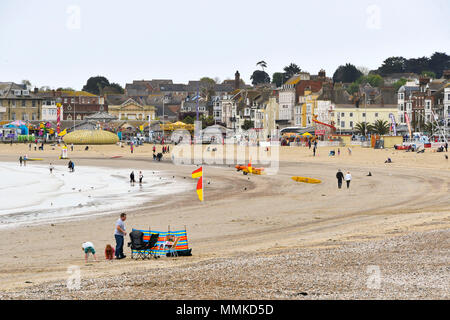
(263, 237)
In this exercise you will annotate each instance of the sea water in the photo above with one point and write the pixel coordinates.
(32, 195)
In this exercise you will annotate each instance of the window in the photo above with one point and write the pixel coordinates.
(351, 124)
(33, 103)
(364, 114)
(13, 116)
(342, 124)
(65, 100)
(72, 100)
(342, 114)
(351, 114)
(23, 103)
(13, 102)
(376, 114)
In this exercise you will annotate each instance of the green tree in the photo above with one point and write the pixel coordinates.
(380, 127)
(348, 73)
(291, 70)
(278, 79)
(375, 80)
(429, 74)
(95, 85)
(400, 83)
(207, 87)
(262, 64)
(392, 65)
(417, 65)
(113, 88)
(439, 62)
(260, 77)
(248, 124)
(353, 88)
(363, 128)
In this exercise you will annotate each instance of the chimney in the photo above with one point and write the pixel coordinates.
(36, 90)
(237, 80)
(322, 74)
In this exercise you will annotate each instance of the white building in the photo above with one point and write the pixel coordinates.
(50, 111)
(405, 100)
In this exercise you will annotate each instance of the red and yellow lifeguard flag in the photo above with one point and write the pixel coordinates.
(199, 174)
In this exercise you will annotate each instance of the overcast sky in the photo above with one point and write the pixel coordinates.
(63, 43)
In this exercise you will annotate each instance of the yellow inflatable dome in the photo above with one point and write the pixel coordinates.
(91, 137)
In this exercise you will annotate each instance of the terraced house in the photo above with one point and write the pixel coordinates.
(17, 102)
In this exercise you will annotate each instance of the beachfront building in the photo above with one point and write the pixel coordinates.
(271, 115)
(427, 103)
(288, 96)
(307, 108)
(125, 108)
(50, 110)
(18, 102)
(347, 116)
(404, 103)
(365, 106)
(76, 105)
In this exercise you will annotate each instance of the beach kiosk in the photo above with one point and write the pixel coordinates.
(63, 152)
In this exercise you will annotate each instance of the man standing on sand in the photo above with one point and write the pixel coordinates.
(446, 147)
(132, 180)
(348, 178)
(339, 177)
(20, 160)
(119, 234)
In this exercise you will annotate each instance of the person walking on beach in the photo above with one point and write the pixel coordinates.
(88, 247)
(119, 234)
(314, 151)
(25, 160)
(446, 147)
(132, 180)
(339, 177)
(154, 148)
(71, 147)
(29, 147)
(141, 176)
(348, 178)
(132, 147)
(20, 160)
(51, 168)
(339, 151)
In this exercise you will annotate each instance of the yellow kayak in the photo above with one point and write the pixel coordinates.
(306, 180)
(33, 159)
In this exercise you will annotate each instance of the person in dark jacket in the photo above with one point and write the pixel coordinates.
(132, 180)
(339, 177)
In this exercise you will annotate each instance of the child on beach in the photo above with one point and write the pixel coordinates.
(88, 247)
(109, 252)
